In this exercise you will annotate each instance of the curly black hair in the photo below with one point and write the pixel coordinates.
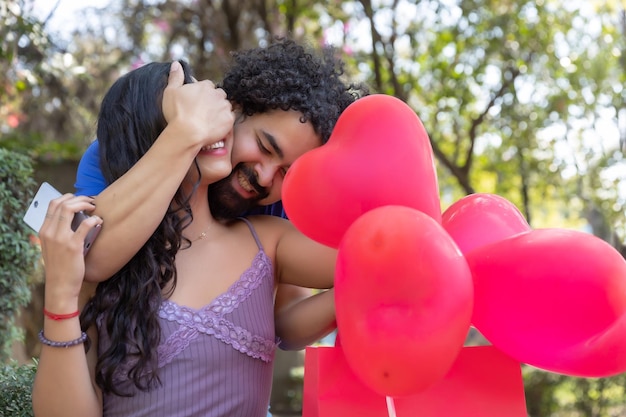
(287, 75)
(126, 305)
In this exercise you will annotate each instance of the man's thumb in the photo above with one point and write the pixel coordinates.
(176, 77)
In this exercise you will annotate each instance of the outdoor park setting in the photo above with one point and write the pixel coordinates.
(476, 197)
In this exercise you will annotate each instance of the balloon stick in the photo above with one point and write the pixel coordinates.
(391, 407)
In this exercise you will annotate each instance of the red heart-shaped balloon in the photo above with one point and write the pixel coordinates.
(554, 299)
(378, 154)
(403, 297)
(479, 219)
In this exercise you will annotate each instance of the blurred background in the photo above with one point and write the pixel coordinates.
(521, 98)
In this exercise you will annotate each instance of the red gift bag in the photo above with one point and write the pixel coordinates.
(483, 382)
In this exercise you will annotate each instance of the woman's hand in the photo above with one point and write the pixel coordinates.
(200, 112)
(62, 250)
(65, 381)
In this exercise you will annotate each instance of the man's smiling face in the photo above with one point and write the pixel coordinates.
(264, 147)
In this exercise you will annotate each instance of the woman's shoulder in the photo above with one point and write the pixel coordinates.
(266, 219)
(270, 229)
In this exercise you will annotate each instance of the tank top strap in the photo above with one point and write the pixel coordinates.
(254, 234)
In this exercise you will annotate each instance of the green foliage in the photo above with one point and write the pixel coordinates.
(40, 150)
(46, 108)
(16, 32)
(15, 389)
(516, 96)
(18, 255)
(554, 395)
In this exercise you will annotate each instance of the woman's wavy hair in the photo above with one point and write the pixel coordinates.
(284, 75)
(287, 75)
(126, 305)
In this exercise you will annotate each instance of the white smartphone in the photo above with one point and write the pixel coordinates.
(36, 213)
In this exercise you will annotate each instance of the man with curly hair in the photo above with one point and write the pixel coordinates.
(284, 81)
(282, 76)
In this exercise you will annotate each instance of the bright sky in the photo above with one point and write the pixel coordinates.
(66, 16)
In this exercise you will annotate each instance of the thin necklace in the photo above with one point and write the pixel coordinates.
(204, 234)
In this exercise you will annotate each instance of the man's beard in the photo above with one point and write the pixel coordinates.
(226, 203)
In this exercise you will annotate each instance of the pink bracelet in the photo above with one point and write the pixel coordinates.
(52, 343)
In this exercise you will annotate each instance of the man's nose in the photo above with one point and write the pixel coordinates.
(266, 174)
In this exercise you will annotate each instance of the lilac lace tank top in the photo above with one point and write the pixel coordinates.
(215, 361)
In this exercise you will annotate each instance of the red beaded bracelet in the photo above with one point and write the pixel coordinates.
(60, 316)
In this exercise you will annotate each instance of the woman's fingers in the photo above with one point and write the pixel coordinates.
(60, 216)
(62, 247)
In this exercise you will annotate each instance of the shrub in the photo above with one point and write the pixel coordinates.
(18, 254)
(15, 390)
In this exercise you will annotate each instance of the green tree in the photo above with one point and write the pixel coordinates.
(52, 87)
(509, 92)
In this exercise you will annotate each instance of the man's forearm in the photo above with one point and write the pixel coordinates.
(304, 322)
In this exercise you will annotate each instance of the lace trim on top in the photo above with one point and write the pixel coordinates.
(210, 320)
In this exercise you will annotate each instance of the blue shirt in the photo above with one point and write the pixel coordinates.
(89, 178)
(90, 181)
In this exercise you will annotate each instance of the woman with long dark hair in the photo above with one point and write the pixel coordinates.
(186, 327)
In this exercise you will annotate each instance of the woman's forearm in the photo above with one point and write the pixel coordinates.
(134, 205)
(63, 385)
